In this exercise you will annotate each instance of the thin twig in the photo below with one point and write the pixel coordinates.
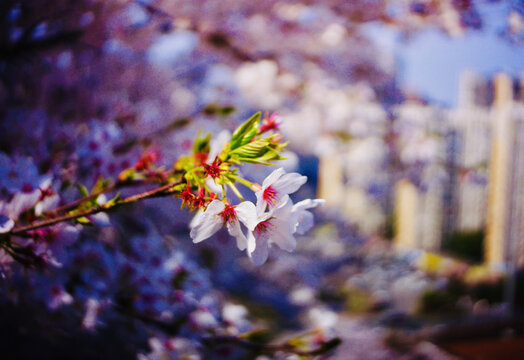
(163, 190)
(117, 185)
(268, 348)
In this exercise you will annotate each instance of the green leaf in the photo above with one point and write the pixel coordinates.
(112, 202)
(329, 345)
(251, 150)
(214, 109)
(100, 184)
(245, 132)
(201, 144)
(83, 190)
(82, 221)
(129, 175)
(260, 336)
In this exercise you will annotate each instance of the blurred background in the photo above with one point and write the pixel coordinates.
(407, 116)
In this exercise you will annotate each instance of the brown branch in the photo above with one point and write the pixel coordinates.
(77, 202)
(272, 348)
(164, 190)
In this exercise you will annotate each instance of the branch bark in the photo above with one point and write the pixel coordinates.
(163, 190)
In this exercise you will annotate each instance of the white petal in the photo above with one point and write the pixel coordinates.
(235, 231)
(282, 236)
(274, 176)
(6, 224)
(261, 204)
(209, 223)
(305, 221)
(217, 144)
(284, 210)
(211, 185)
(261, 251)
(247, 214)
(251, 243)
(101, 219)
(308, 204)
(21, 202)
(196, 219)
(289, 183)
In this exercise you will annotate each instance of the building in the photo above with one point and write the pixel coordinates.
(504, 241)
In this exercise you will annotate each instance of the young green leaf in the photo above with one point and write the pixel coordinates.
(245, 132)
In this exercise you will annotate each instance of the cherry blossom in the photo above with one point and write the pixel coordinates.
(304, 218)
(276, 187)
(274, 227)
(218, 214)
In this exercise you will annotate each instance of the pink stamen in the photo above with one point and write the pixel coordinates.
(270, 196)
(262, 227)
(270, 123)
(200, 200)
(213, 170)
(229, 215)
(187, 195)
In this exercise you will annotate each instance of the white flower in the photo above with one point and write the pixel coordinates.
(304, 219)
(217, 144)
(276, 227)
(6, 224)
(217, 214)
(276, 187)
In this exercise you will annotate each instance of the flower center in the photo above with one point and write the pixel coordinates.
(229, 214)
(213, 170)
(270, 195)
(262, 227)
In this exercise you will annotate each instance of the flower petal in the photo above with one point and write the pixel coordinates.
(261, 204)
(209, 223)
(217, 144)
(274, 176)
(281, 236)
(289, 183)
(6, 224)
(247, 214)
(235, 231)
(308, 204)
(305, 221)
(261, 251)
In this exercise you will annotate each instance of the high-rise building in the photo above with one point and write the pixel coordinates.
(469, 140)
(505, 208)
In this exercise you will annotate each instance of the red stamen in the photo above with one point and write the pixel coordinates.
(146, 160)
(270, 196)
(270, 123)
(229, 214)
(262, 227)
(201, 157)
(200, 200)
(187, 196)
(213, 170)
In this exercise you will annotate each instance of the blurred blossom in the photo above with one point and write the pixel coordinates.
(59, 297)
(302, 295)
(169, 48)
(6, 224)
(322, 318)
(258, 84)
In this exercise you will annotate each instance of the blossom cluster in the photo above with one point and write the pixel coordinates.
(277, 225)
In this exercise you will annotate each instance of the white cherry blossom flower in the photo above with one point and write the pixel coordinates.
(304, 218)
(274, 227)
(218, 214)
(276, 187)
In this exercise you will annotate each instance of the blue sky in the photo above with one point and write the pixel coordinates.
(430, 63)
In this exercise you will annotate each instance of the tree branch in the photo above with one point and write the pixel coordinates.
(272, 348)
(163, 190)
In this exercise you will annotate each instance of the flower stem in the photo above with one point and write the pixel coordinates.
(242, 181)
(235, 190)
